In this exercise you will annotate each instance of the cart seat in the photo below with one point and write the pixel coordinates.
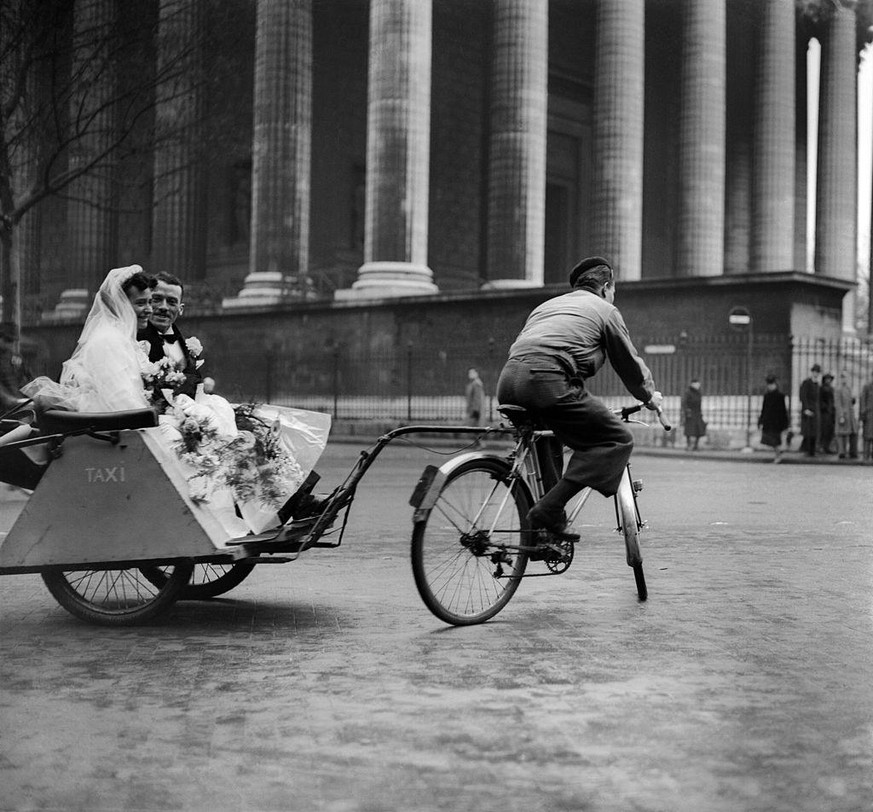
(57, 421)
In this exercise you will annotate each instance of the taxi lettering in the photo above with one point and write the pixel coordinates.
(114, 474)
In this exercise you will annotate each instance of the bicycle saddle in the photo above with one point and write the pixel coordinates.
(519, 416)
(57, 421)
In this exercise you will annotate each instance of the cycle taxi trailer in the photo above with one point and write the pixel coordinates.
(110, 525)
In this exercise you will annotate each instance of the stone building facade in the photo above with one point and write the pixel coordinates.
(352, 150)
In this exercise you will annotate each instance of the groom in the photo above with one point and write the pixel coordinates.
(162, 335)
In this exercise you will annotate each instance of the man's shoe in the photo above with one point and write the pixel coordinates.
(549, 528)
(309, 505)
(552, 519)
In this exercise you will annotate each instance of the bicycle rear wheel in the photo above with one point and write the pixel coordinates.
(630, 526)
(468, 539)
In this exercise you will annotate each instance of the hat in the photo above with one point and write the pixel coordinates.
(584, 265)
(815, 368)
(827, 377)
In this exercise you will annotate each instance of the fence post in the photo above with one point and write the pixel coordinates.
(409, 381)
(269, 356)
(750, 384)
(336, 355)
(493, 380)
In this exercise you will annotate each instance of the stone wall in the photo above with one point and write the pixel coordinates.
(477, 327)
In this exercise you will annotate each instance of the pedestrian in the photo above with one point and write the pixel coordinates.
(865, 415)
(13, 370)
(810, 390)
(827, 414)
(844, 401)
(692, 415)
(774, 418)
(475, 395)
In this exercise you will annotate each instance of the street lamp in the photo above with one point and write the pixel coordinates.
(741, 319)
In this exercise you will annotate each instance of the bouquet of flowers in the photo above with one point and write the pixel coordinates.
(167, 374)
(254, 465)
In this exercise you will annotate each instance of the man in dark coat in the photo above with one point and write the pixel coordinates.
(810, 403)
(164, 337)
(827, 414)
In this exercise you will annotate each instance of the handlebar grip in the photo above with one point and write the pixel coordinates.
(664, 423)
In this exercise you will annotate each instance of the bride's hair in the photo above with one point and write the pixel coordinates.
(139, 280)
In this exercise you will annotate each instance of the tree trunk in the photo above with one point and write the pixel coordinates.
(10, 273)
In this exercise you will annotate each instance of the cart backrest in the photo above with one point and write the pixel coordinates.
(56, 421)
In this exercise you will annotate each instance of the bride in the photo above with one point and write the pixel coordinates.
(106, 373)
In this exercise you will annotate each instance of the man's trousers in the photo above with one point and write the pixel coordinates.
(600, 442)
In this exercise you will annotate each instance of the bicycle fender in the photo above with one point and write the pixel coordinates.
(433, 479)
(429, 485)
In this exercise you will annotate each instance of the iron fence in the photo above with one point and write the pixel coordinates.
(426, 383)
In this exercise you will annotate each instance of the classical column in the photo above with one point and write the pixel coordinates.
(92, 222)
(836, 215)
(700, 234)
(738, 200)
(178, 222)
(800, 147)
(517, 159)
(279, 254)
(617, 206)
(773, 178)
(398, 153)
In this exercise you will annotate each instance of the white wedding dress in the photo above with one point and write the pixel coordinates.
(104, 374)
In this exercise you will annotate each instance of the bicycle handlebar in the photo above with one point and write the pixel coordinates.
(627, 411)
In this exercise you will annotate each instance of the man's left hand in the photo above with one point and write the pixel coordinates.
(655, 403)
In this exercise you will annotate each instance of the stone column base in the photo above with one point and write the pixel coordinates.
(267, 288)
(384, 280)
(73, 305)
(259, 289)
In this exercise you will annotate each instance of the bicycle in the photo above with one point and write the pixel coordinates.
(471, 540)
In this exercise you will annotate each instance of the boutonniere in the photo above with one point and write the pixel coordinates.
(193, 346)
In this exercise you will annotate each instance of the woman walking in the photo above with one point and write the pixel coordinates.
(774, 418)
(692, 415)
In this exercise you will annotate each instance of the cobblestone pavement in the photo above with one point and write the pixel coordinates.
(744, 683)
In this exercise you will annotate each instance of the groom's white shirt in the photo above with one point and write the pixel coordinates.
(174, 350)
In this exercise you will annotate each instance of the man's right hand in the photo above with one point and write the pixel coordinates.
(655, 403)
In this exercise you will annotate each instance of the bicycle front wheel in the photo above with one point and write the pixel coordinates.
(465, 557)
(630, 526)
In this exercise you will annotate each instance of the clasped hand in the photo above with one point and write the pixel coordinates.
(655, 403)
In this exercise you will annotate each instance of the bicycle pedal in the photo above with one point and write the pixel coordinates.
(554, 536)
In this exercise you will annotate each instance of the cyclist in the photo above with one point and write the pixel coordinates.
(563, 343)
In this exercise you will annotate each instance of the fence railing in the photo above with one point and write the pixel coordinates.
(415, 383)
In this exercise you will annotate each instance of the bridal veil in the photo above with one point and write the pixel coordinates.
(103, 374)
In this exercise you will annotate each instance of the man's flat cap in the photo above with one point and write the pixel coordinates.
(815, 368)
(584, 265)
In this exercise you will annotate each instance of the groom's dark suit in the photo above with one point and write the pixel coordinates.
(156, 342)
